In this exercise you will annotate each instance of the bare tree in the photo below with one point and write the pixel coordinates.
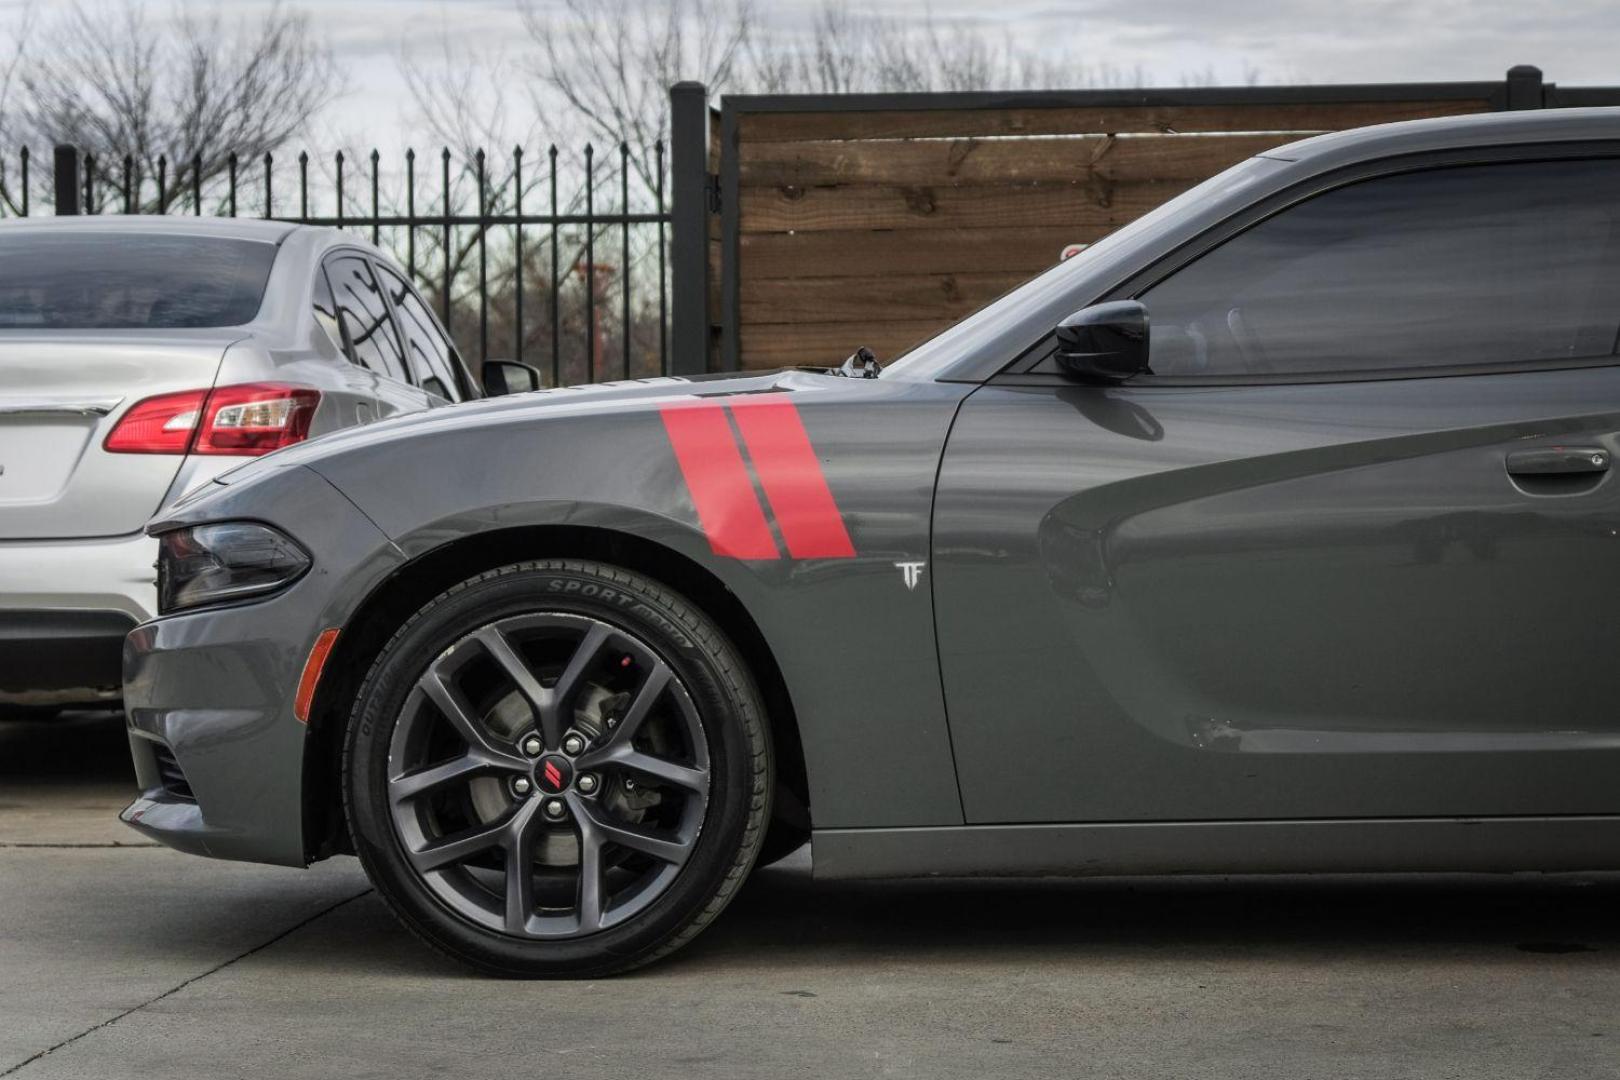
(613, 62)
(15, 37)
(179, 95)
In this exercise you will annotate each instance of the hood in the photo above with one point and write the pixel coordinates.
(569, 401)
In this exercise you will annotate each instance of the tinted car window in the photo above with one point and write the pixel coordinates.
(326, 313)
(365, 315)
(122, 281)
(1481, 264)
(426, 348)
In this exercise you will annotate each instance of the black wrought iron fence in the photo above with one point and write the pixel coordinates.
(579, 287)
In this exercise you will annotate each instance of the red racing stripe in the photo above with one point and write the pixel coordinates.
(789, 471)
(727, 507)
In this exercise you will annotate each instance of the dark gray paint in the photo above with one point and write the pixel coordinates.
(1387, 845)
(1154, 604)
(217, 686)
(1326, 600)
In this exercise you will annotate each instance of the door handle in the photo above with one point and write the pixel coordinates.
(1558, 461)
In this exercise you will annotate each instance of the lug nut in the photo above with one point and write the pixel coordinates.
(586, 783)
(532, 746)
(521, 786)
(573, 745)
(555, 808)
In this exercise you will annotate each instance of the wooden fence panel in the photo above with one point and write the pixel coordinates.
(881, 219)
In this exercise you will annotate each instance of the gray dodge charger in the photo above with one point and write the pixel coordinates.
(1272, 533)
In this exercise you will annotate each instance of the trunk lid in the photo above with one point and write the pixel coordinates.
(61, 393)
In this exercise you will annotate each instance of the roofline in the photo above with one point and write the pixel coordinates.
(1549, 126)
(258, 229)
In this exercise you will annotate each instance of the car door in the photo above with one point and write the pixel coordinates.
(1349, 551)
(371, 339)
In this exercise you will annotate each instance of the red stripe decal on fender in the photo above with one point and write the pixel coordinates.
(789, 471)
(722, 493)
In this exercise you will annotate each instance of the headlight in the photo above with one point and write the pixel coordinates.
(231, 560)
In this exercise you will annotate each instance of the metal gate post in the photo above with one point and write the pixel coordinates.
(1524, 87)
(689, 221)
(68, 182)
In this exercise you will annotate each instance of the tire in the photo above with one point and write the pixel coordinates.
(637, 724)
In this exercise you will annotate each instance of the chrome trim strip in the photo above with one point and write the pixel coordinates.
(58, 407)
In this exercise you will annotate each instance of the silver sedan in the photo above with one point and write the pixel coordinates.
(140, 357)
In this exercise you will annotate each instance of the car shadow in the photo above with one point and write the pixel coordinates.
(783, 914)
(786, 918)
(81, 746)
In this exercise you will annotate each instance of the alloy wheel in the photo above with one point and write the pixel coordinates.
(548, 776)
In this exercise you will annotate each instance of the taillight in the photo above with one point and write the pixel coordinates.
(255, 418)
(158, 425)
(243, 420)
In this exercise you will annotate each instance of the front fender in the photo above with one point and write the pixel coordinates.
(851, 630)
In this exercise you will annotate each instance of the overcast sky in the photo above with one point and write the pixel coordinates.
(1318, 41)
(1573, 41)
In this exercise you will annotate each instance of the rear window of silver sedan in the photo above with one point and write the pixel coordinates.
(112, 280)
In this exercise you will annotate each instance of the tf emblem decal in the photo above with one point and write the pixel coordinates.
(910, 573)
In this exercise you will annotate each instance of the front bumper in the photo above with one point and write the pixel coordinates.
(219, 755)
(65, 606)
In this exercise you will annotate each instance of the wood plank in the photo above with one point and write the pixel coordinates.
(870, 299)
(996, 161)
(1068, 120)
(773, 345)
(871, 206)
(844, 252)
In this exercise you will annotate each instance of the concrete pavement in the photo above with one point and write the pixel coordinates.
(135, 961)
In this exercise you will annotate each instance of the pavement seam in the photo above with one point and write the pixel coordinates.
(175, 989)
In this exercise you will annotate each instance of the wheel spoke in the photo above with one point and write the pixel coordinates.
(461, 846)
(591, 644)
(521, 835)
(672, 851)
(592, 901)
(418, 783)
(444, 696)
(668, 772)
(541, 701)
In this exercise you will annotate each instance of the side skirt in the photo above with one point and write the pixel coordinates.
(1475, 845)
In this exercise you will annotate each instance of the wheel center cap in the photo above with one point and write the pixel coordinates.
(553, 774)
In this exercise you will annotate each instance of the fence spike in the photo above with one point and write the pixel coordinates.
(624, 252)
(556, 278)
(444, 163)
(663, 288)
(517, 258)
(483, 262)
(410, 212)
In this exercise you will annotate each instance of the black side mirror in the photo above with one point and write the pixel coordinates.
(1104, 342)
(503, 377)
